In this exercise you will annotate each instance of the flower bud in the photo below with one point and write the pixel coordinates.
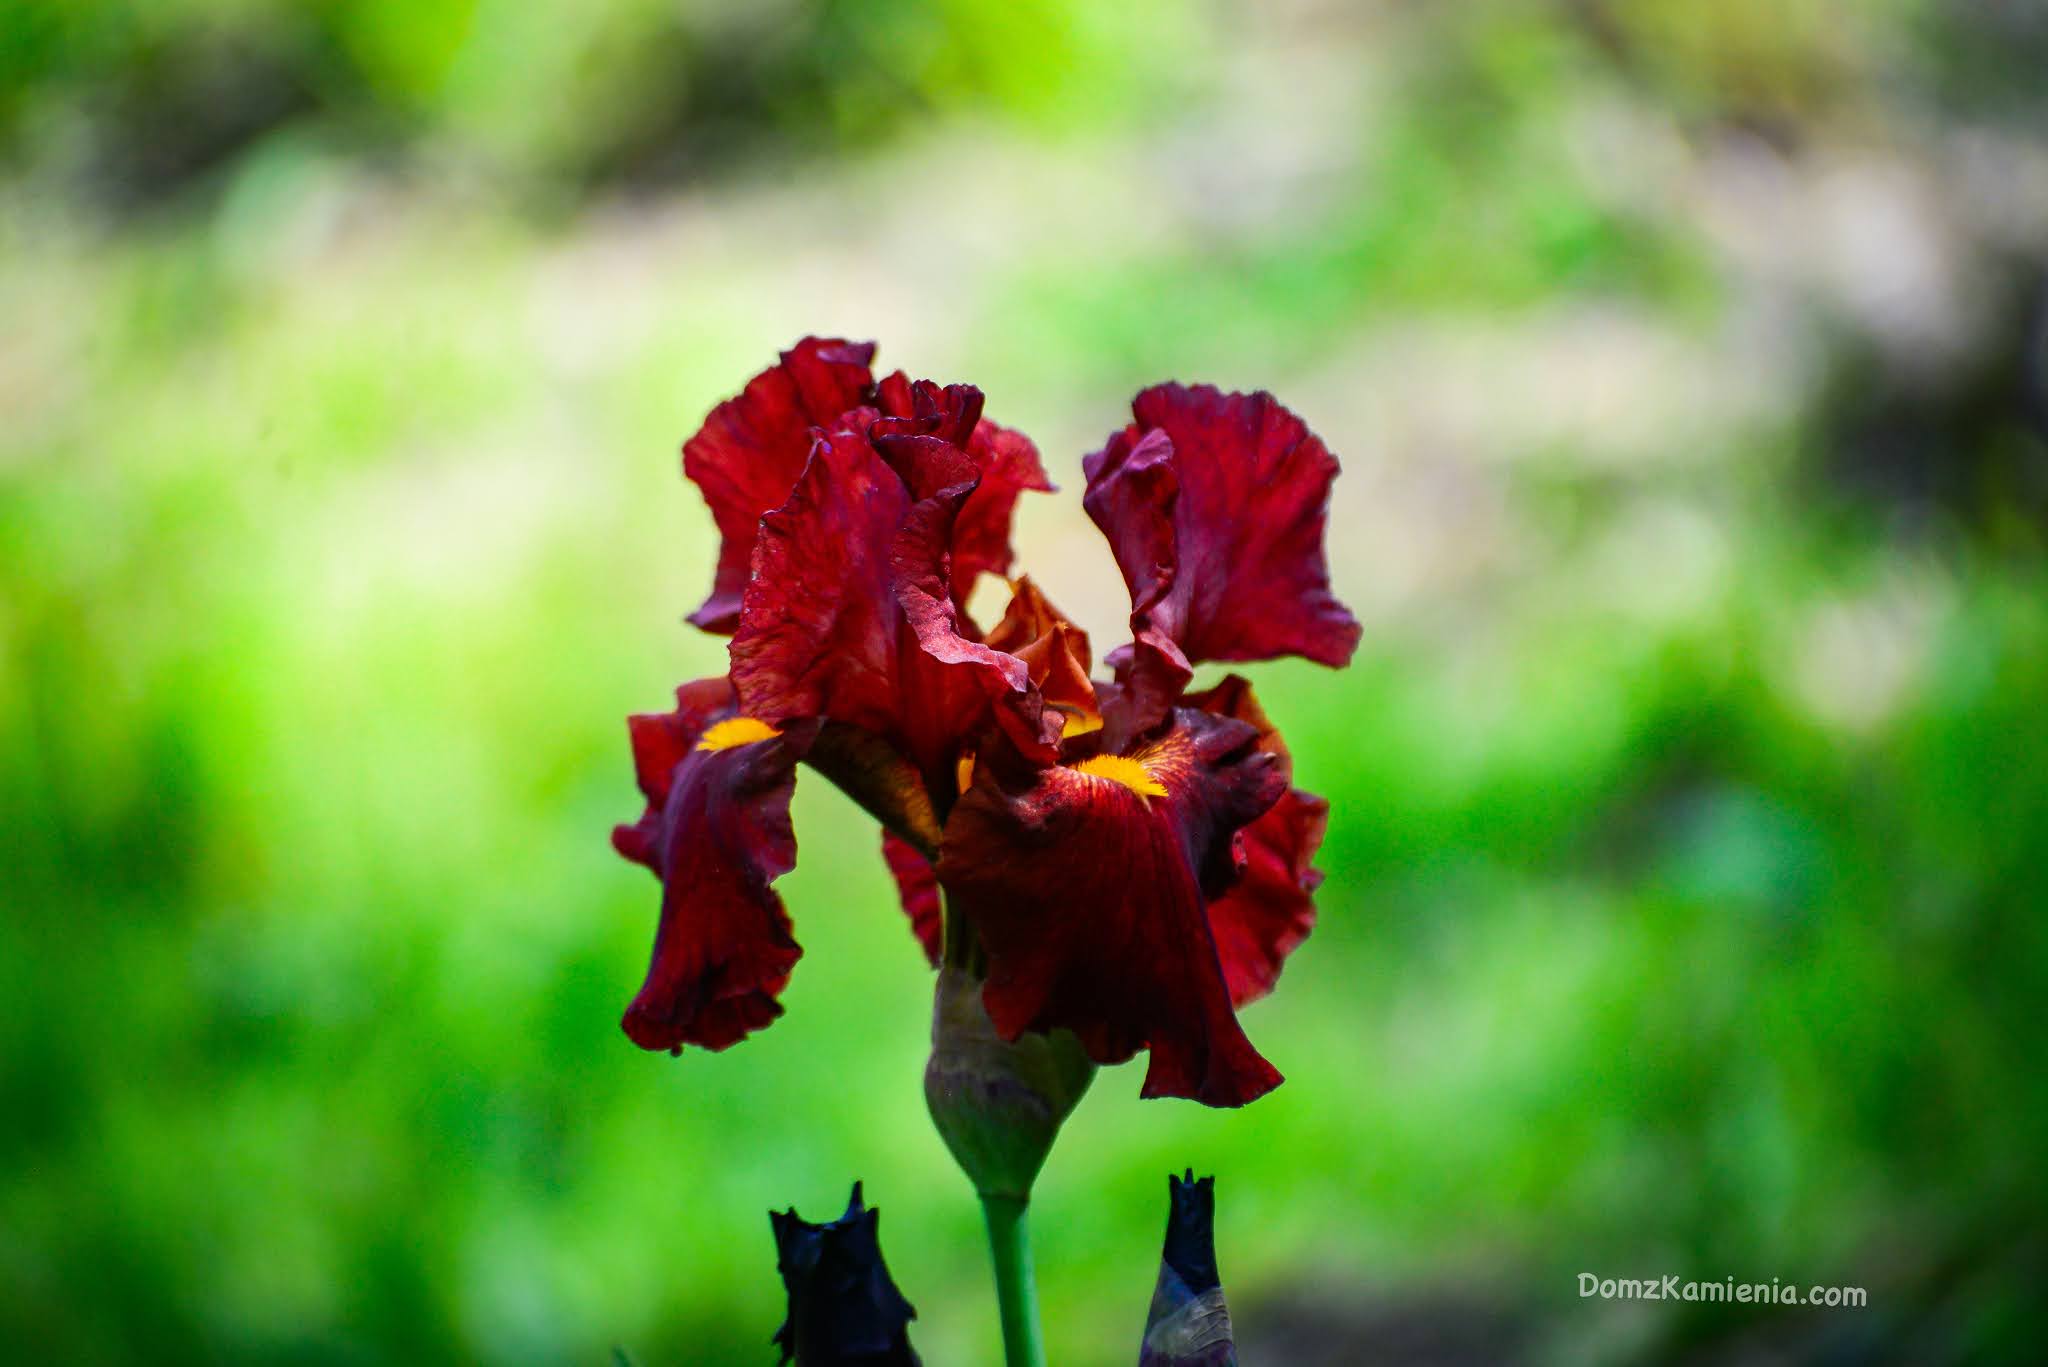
(997, 1103)
(1189, 1324)
(844, 1310)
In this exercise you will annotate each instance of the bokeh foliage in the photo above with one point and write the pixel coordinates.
(1684, 900)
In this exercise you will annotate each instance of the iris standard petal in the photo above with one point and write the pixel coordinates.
(1216, 506)
(753, 446)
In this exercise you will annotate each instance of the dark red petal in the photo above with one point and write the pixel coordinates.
(848, 617)
(1133, 489)
(1270, 908)
(961, 683)
(928, 445)
(948, 456)
(1089, 900)
(918, 887)
(949, 413)
(1009, 465)
(662, 740)
(1223, 548)
(818, 627)
(894, 395)
(716, 832)
(851, 613)
(949, 420)
(1152, 673)
(752, 447)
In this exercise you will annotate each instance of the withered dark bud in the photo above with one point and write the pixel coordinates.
(1189, 1325)
(844, 1311)
(997, 1103)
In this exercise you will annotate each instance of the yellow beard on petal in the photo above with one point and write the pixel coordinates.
(736, 731)
(1129, 772)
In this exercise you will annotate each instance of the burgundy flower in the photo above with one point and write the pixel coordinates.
(1126, 860)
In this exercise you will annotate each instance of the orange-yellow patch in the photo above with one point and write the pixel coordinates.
(736, 731)
(1119, 769)
(1079, 723)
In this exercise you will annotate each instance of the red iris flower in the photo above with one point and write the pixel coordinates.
(1127, 859)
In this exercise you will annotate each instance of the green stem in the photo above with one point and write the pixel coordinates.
(1009, 1242)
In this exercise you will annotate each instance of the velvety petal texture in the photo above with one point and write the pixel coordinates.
(1088, 885)
(960, 680)
(819, 626)
(753, 446)
(716, 832)
(1270, 907)
(1009, 467)
(852, 615)
(917, 886)
(1133, 489)
(1216, 505)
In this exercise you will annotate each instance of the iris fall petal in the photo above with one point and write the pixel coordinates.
(1088, 886)
(717, 833)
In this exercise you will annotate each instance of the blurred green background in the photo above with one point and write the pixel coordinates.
(1690, 792)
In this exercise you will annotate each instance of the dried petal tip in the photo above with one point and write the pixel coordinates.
(844, 1311)
(1189, 1325)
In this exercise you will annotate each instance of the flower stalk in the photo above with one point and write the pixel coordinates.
(999, 1105)
(1009, 1244)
